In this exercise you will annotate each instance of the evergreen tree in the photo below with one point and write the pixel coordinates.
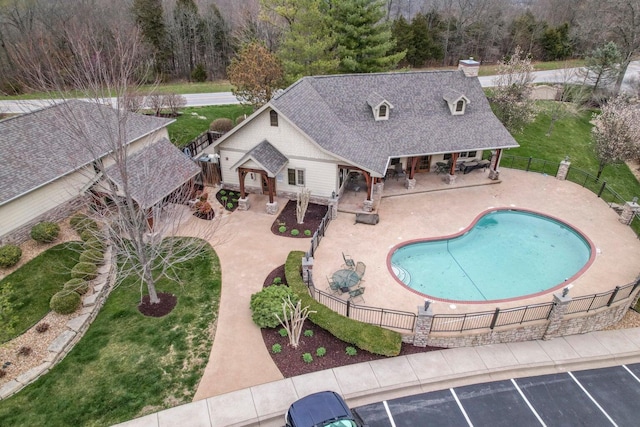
(186, 25)
(556, 43)
(149, 17)
(364, 42)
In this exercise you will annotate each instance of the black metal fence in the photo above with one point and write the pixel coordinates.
(530, 164)
(605, 299)
(200, 142)
(490, 319)
(319, 233)
(372, 315)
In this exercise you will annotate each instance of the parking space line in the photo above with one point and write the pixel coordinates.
(528, 403)
(466, 417)
(592, 399)
(386, 408)
(632, 374)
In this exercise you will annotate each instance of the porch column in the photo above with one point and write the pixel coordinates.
(272, 207)
(410, 182)
(368, 204)
(451, 178)
(241, 174)
(495, 163)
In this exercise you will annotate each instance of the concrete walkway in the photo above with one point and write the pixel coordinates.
(364, 383)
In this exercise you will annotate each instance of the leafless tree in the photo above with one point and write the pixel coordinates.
(302, 203)
(101, 65)
(292, 320)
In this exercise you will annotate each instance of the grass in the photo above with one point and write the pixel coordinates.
(35, 283)
(572, 137)
(188, 126)
(128, 365)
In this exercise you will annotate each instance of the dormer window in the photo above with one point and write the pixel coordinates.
(456, 101)
(274, 118)
(379, 106)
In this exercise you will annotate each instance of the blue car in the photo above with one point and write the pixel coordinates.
(323, 409)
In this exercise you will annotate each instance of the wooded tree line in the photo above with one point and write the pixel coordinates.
(196, 39)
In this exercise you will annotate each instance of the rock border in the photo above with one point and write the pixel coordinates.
(75, 328)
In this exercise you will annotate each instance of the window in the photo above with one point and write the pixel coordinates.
(459, 106)
(296, 176)
(274, 118)
(462, 155)
(383, 111)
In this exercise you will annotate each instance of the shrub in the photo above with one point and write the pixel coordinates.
(223, 192)
(266, 303)
(87, 235)
(351, 351)
(229, 205)
(308, 333)
(282, 229)
(234, 200)
(84, 270)
(276, 348)
(371, 338)
(307, 357)
(307, 232)
(277, 280)
(283, 332)
(94, 243)
(93, 256)
(221, 125)
(24, 351)
(45, 232)
(295, 232)
(79, 286)
(42, 328)
(321, 351)
(64, 302)
(224, 199)
(80, 222)
(199, 74)
(9, 255)
(240, 119)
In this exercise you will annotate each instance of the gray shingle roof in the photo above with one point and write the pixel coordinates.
(267, 156)
(154, 172)
(333, 111)
(41, 146)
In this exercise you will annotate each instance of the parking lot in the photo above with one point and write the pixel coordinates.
(598, 397)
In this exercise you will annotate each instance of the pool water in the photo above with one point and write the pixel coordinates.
(506, 254)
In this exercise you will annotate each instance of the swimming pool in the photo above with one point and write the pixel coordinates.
(505, 254)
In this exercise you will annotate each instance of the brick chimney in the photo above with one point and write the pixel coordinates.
(469, 67)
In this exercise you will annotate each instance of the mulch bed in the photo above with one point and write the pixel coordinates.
(289, 360)
(164, 307)
(231, 196)
(287, 218)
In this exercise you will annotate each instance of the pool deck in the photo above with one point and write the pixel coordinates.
(435, 210)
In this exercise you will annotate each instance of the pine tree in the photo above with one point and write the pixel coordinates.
(149, 16)
(363, 40)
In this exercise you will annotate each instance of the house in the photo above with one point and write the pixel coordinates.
(52, 158)
(321, 128)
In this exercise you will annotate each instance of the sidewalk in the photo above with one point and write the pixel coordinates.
(361, 384)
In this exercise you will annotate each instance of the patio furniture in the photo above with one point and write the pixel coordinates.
(333, 286)
(442, 167)
(400, 173)
(356, 293)
(348, 261)
(345, 279)
(360, 268)
(469, 166)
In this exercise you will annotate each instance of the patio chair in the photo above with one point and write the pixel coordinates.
(360, 268)
(348, 261)
(400, 173)
(442, 167)
(356, 293)
(333, 286)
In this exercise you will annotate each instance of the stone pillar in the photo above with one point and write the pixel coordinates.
(563, 170)
(243, 204)
(558, 311)
(367, 206)
(272, 208)
(379, 187)
(333, 208)
(628, 210)
(410, 183)
(307, 269)
(423, 326)
(450, 179)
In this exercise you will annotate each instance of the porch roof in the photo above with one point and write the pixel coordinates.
(267, 156)
(154, 172)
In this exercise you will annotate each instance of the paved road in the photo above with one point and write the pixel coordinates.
(597, 397)
(225, 98)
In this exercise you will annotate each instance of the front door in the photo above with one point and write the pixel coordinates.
(424, 164)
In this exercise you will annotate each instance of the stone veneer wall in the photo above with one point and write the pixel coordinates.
(286, 194)
(56, 214)
(573, 324)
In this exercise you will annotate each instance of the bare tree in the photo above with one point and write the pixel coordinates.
(302, 203)
(141, 225)
(292, 320)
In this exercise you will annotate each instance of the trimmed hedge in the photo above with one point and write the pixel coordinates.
(65, 302)
(79, 286)
(371, 338)
(45, 232)
(9, 255)
(84, 270)
(94, 244)
(93, 256)
(81, 222)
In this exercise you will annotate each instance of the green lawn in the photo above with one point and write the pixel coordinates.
(187, 126)
(128, 365)
(572, 137)
(34, 284)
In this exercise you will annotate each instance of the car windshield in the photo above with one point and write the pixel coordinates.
(341, 423)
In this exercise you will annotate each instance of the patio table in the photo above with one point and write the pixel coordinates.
(346, 279)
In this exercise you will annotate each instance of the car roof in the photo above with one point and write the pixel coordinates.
(318, 408)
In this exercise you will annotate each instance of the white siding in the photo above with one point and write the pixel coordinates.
(320, 167)
(28, 207)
